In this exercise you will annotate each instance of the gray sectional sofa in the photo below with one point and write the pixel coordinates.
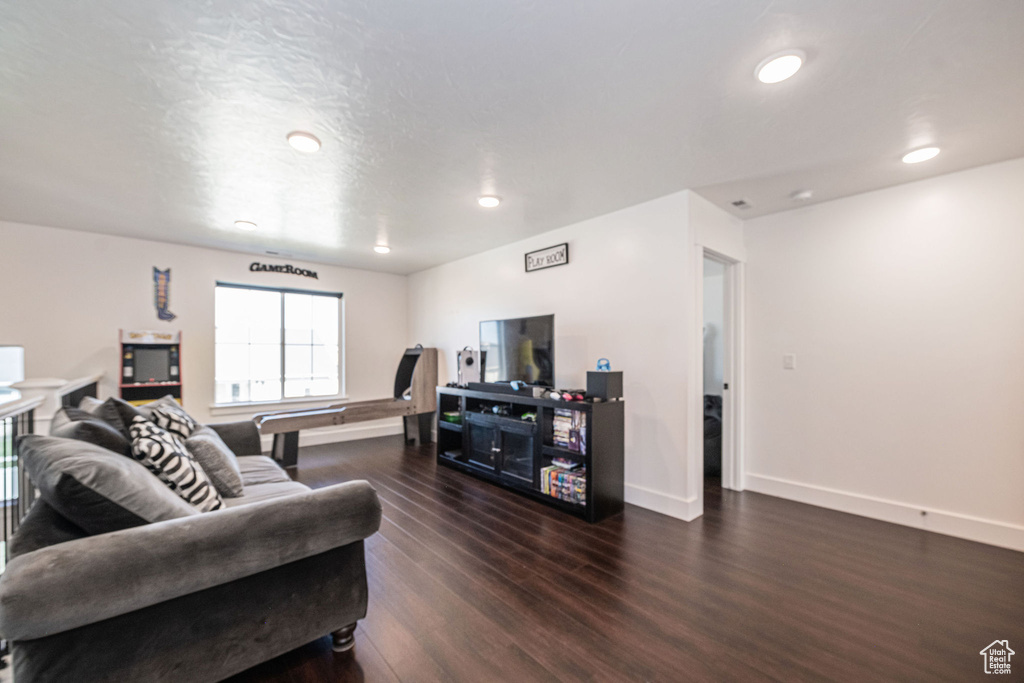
(197, 597)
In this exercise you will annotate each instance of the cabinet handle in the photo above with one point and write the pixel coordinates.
(495, 450)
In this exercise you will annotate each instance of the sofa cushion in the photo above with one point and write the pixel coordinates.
(174, 419)
(242, 437)
(59, 419)
(90, 404)
(118, 414)
(42, 527)
(259, 469)
(146, 409)
(96, 489)
(217, 460)
(66, 416)
(166, 457)
(96, 432)
(260, 492)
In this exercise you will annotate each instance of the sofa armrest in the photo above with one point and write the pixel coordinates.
(80, 582)
(243, 437)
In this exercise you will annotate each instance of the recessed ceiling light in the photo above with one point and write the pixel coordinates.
(779, 66)
(488, 201)
(245, 225)
(919, 155)
(304, 142)
(382, 249)
(801, 195)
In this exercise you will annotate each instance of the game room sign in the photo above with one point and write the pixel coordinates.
(256, 266)
(548, 258)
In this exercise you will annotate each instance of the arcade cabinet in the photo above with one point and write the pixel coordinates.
(150, 365)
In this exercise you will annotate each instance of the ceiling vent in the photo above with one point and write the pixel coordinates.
(741, 204)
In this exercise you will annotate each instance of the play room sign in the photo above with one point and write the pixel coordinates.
(548, 258)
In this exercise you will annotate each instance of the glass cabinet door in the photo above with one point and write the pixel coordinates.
(517, 455)
(483, 445)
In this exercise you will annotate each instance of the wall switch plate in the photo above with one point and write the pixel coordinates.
(789, 361)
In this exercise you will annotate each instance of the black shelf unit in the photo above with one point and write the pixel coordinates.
(510, 451)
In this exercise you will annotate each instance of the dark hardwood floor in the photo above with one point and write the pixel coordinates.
(472, 583)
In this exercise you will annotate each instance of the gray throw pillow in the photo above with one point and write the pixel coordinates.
(96, 489)
(146, 409)
(218, 461)
(59, 419)
(118, 414)
(96, 432)
(90, 404)
(65, 416)
(166, 457)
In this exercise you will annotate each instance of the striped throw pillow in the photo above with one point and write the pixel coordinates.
(166, 457)
(174, 419)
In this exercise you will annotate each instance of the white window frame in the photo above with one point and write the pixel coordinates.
(237, 407)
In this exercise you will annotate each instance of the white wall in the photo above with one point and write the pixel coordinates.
(905, 309)
(64, 295)
(716, 230)
(714, 321)
(625, 295)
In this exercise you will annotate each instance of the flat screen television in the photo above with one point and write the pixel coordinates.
(520, 349)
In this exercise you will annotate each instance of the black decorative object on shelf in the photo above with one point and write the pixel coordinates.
(605, 385)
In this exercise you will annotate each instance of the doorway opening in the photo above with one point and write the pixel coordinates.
(714, 336)
(717, 397)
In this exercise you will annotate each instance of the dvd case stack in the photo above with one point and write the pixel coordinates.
(565, 484)
(570, 430)
(562, 425)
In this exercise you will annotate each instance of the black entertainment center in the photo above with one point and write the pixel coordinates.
(564, 449)
(506, 449)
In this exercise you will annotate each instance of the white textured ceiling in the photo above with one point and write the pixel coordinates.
(167, 119)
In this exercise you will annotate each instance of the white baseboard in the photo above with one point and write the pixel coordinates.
(315, 437)
(686, 509)
(940, 521)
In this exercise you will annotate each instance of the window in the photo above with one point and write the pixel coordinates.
(275, 343)
(12, 369)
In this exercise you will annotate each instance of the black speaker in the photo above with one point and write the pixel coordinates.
(606, 386)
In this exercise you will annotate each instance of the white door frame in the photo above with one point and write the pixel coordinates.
(732, 400)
